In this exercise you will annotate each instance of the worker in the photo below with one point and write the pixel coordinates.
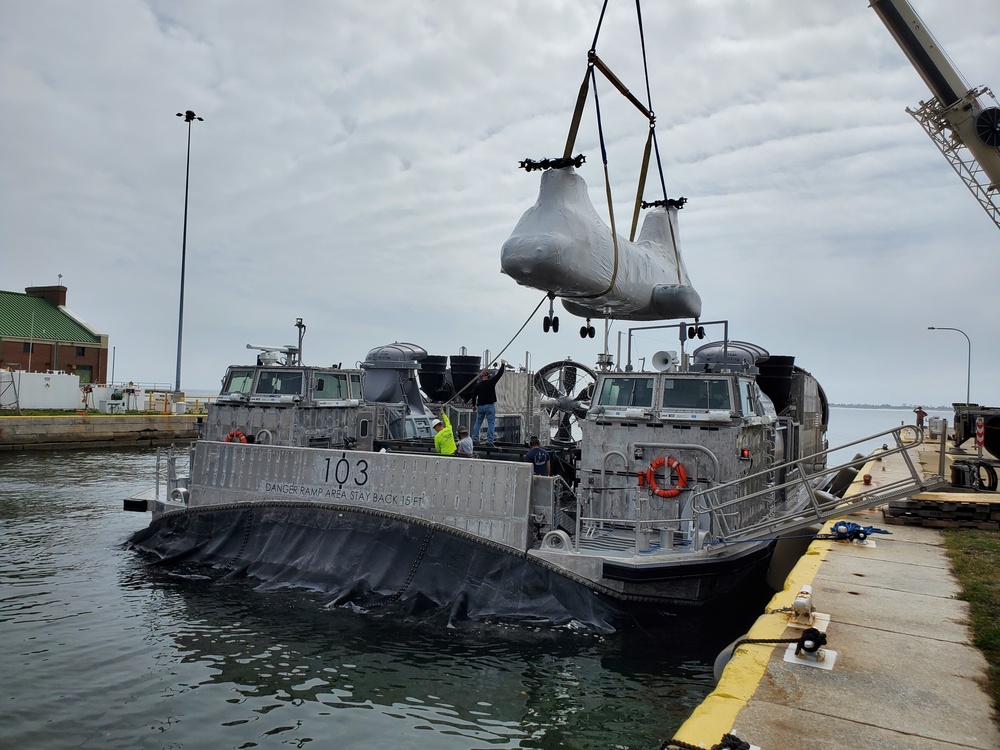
(484, 398)
(465, 446)
(444, 438)
(539, 458)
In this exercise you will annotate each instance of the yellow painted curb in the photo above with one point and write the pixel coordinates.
(717, 713)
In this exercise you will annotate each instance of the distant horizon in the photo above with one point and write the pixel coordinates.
(949, 407)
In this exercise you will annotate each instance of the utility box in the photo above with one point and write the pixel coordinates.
(111, 406)
(963, 474)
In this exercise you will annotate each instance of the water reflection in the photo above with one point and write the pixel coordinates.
(279, 651)
(108, 651)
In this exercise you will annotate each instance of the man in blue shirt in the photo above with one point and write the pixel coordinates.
(538, 457)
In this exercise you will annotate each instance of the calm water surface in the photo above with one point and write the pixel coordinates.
(848, 424)
(102, 650)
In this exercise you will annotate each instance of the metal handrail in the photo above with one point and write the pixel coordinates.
(166, 474)
(637, 523)
(705, 502)
(796, 465)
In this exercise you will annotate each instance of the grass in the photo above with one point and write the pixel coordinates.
(975, 556)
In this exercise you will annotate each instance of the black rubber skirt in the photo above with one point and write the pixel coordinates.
(375, 561)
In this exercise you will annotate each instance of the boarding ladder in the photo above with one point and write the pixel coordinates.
(821, 506)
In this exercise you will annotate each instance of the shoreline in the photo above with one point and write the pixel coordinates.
(97, 431)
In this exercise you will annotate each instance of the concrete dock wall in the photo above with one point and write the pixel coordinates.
(96, 431)
(906, 673)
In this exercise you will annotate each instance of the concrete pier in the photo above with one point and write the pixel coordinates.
(96, 431)
(904, 673)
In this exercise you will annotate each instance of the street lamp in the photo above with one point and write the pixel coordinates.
(968, 371)
(188, 116)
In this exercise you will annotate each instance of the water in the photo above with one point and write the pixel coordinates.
(101, 650)
(851, 423)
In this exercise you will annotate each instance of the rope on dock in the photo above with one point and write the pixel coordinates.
(728, 742)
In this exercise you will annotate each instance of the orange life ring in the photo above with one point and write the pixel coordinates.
(236, 437)
(673, 463)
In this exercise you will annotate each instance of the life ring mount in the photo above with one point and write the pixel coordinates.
(650, 477)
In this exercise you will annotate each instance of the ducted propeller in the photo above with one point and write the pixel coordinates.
(566, 389)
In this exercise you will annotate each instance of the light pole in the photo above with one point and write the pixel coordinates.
(968, 370)
(188, 116)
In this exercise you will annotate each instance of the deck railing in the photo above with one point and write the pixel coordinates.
(727, 513)
(821, 505)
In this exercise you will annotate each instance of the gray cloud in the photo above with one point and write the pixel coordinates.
(357, 168)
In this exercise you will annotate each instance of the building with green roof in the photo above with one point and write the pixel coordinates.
(38, 334)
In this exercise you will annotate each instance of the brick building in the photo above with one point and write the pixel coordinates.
(38, 334)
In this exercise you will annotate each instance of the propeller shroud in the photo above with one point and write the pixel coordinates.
(566, 388)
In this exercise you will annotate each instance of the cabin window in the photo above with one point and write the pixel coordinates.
(355, 385)
(364, 427)
(279, 383)
(331, 386)
(691, 393)
(746, 398)
(626, 392)
(238, 381)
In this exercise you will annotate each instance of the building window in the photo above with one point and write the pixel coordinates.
(28, 347)
(81, 351)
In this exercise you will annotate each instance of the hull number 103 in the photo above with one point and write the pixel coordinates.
(342, 472)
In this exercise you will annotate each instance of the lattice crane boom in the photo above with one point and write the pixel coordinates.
(959, 119)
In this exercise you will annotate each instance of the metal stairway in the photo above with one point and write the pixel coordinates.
(821, 505)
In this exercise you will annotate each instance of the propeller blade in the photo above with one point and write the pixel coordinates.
(565, 432)
(568, 379)
(583, 400)
(546, 388)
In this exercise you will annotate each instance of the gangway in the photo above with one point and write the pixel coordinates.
(823, 506)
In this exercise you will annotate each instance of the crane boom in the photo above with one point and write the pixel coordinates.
(966, 131)
(923, 51)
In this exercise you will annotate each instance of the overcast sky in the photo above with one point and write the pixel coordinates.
(357, 168)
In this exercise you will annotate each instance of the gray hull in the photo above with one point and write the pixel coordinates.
(368, 559)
